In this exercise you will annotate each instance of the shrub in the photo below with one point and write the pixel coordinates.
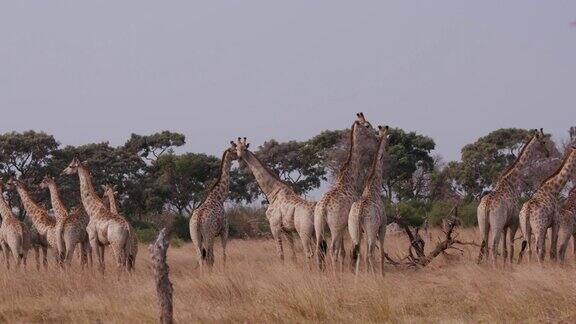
(146, 235)
(248, 222)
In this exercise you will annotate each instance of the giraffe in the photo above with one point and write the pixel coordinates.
(14, 235)
(334, 205)
(498, 210)
(209, 220)
(44, 224)
(567, 224)
(71, 226)
(542, 210)
(104, 227)
(367, 215)
(287, 212)
(109, 200)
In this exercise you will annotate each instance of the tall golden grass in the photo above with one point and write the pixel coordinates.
(256, 287)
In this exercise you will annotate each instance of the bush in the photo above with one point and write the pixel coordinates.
(180, 228)
(248, 222)
(146, 235)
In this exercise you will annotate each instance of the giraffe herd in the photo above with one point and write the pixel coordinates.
(344, 207)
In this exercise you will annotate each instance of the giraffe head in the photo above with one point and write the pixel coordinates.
(542, 142)
(13, 183)
(72, 168)
(231, 152)
(47, 182)
(362, 128)
(240, 146)
(383, 132)
(109, 190)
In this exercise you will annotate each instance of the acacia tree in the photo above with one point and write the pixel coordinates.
(26, 156)
(151, 147)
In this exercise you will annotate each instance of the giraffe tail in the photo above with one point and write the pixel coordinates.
(526, 231)
(319, 223)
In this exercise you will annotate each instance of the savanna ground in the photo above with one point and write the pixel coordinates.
(256, 287)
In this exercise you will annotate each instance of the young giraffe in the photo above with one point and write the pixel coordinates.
(498, 210)
(334, 206)
(367, 215)
(542, 211)
(109, 199)
(71, 226)
(44, 224)
(287, 212)
(104, 227)
(14, 235)
(209, 220)
(567, 224)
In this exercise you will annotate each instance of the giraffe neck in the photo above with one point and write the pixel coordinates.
(350, 169)
(219, 190)
(38, 214)
(113, 206)
(570, 202)
(374, 181)
(267, 180)
(513, 175)
(90, 200)
(5, 209)
(558, 180)
(59, 209)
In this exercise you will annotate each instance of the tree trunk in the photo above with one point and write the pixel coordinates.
(164, 289)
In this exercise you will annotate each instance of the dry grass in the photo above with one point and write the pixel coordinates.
(257, 288)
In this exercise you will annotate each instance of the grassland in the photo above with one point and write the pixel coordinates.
(256, 287)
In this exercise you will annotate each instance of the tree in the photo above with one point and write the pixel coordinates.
(181, 181)
(484, 160)
(151, 147)
(407, 152)
(26, 155)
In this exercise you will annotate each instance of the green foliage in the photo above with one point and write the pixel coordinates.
(153, 146)
(248, 222)
(181, 228)
(405, 151)
(484, 160)
(146, 235)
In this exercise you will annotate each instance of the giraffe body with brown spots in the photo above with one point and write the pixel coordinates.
(70, 226)
(287, 212)
(14, 235)
(209, 220)
(367, 216)
(498, 210)
(567, 224)
(331, 211)
(44, 224)
(104, 228)
(542, 211)
(109, 199)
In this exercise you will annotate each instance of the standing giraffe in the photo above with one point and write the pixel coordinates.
(287, 212)
(567, 224)
(367, 215)
(104, 227)
(209, 220)
(71, 226)
(14, 235)
(110, 197)
(542, 210)
(498, 210)
(334, 206)
(44, 224)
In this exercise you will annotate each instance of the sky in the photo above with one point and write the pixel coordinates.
(91, 71)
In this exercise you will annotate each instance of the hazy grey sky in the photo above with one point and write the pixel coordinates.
(90, 71)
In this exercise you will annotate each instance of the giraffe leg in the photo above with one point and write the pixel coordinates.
(37, 257)
(70, 254)
(306, 246)
(6, 251)
(290, 241)
(209, 247)
(276, 234)
(381, 237)
(495, 242)
(564, 235)
(511, 239)
(554, 242)
(224, 241)
(574, 245)
(335, 247)
(540, 234)
(505, 244)
(45, 257)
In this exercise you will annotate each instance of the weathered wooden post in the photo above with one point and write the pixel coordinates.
(158, 250)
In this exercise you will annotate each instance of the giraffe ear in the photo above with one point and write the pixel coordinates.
(248, 145)
(103, 187)
(232, 143)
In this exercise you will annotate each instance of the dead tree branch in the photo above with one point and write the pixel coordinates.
(164, 288)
